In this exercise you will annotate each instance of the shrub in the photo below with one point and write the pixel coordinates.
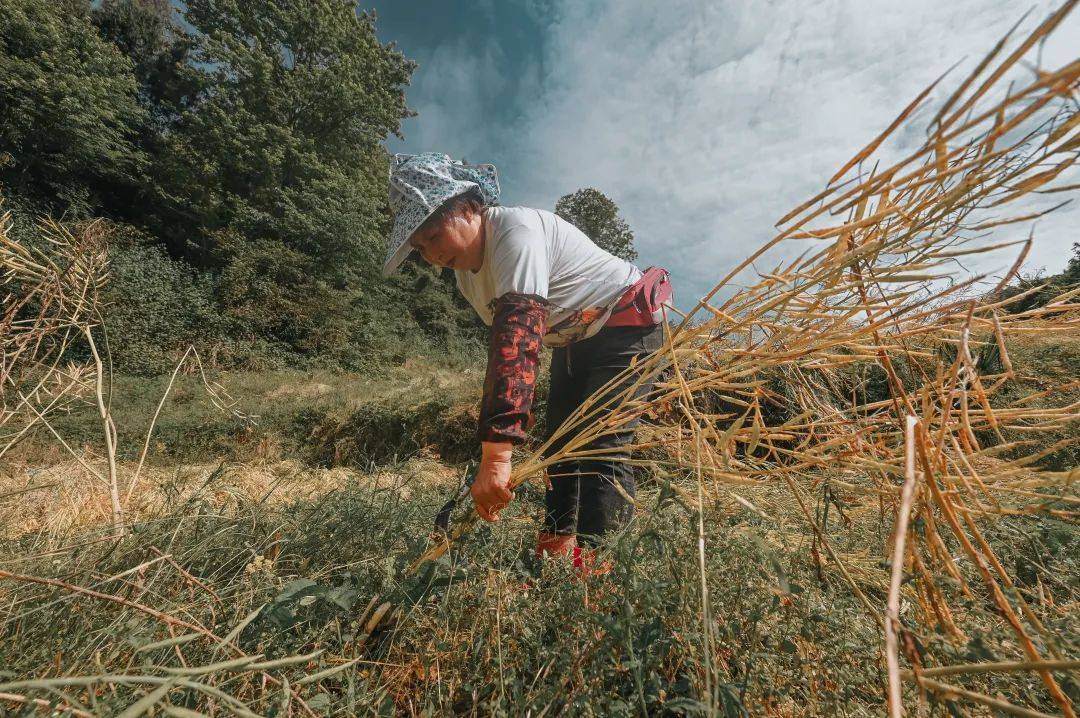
(157, 306)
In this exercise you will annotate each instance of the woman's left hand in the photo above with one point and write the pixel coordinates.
(491, 489)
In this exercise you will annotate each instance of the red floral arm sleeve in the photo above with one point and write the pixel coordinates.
(517, 330)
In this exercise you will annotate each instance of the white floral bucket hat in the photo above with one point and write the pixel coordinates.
(419, 184)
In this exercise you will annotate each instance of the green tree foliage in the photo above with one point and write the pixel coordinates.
(1039, 289)
(276, 176)
(591, 211)
(282, 149)
(69, 107)
(245, 140)
(167, 81)
(1072, 271)
(160, 52)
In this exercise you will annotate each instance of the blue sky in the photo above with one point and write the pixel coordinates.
(704, 120)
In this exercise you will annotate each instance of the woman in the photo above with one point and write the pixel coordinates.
(534, 279)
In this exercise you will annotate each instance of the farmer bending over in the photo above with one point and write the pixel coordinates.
(533, 278)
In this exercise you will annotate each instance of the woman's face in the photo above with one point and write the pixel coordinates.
(455, 242)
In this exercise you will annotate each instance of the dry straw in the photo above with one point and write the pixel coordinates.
(872, 285)
(54, 305)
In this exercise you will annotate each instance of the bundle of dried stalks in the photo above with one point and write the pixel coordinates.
(52, 298)
(749, 390)
(53, 303)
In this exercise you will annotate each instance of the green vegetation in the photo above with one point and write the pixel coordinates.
(1041, 289)
(236, 151)
(71, 111)
(265, 533)
(496, 633)
(591, 211)
(319, 417)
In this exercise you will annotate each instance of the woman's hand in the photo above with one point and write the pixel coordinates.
(491, 489)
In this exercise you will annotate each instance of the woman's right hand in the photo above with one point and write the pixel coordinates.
(491, 488)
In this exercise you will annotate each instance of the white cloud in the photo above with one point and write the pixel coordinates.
(454, 81)
(707, 121)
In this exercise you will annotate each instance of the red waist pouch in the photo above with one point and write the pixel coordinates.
(641, 304)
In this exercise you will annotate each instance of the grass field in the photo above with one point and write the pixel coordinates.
(256, 549)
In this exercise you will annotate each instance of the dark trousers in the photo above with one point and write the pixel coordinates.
(583, 499)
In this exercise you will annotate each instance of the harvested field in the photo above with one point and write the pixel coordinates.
(305, 548)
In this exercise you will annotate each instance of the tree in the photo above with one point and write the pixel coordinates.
(591, 211)
(275, 177)
(283, 147)
(167, 81)
(146, 32)
(1072, 271)
(245, 139)
(70, 112)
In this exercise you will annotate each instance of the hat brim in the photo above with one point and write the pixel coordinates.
(404, 227)
(394, 262)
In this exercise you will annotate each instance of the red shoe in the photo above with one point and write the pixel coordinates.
(557, 545)
(584, 560)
